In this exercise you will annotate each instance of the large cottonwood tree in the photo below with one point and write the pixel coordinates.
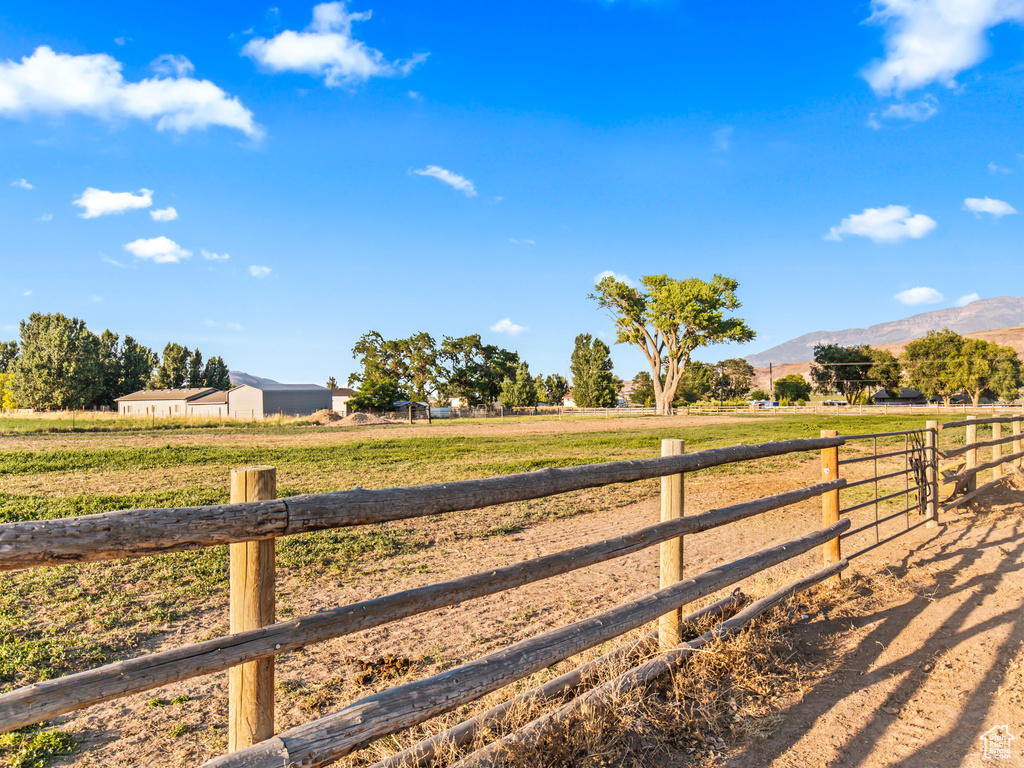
(668, 319)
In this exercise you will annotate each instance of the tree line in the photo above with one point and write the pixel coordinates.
(458, 368)
(941, 364)
(59, 364)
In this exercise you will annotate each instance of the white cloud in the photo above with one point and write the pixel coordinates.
(119, 40)
(920, 295)
(619, 277)
(107, 260)
(46, 217)
(172, 65)
(963, 301)
(22, 183)
(453, 180)
(159, 249)
(884, 225)
(993, 168)
(92, 84)
(26, 293)
(95, 298)
(997, 208)
(99, 202)
(723, 138)
(522, 242)
(918, 111)
(929, 41)
(215, 256)
(235, 326)
(259, 272)
(164, 214)
(327, 49)
(505, 325)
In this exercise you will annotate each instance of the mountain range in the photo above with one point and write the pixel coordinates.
(982, 315)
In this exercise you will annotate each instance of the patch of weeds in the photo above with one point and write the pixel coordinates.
(177, 730)
(32, 748)
(181, 699)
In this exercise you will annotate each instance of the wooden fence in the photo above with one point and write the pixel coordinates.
(254, 518)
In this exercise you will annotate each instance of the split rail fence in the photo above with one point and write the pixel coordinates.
(254, 518)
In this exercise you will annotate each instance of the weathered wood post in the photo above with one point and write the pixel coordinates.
(932, 472)
(410, 413)
(251, 685)
(997, 451)
(670, 625)
(972, 454)
(830, 502)
(1016, 442)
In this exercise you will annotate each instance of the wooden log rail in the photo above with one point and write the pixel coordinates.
(972, 471)
(992, 420)
(949, 454)
(464, 733)
(43, 700)
(142, 532)
(532, 733)
(329, 738)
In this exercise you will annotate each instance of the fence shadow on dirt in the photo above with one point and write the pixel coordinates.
(952, 557)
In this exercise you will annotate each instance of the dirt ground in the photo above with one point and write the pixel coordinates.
(925, 677)
(923, 668)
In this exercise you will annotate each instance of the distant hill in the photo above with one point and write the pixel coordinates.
(1002, 312)
(1007, 337)
(238, 378)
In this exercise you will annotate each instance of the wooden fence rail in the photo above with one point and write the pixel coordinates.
(143, 532)
(329, 738)
(50, 698)
(254, 519)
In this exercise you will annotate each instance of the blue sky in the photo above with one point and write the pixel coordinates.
(268, 183)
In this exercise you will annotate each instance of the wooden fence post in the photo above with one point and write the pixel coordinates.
(972, 455)
(997, 451)
(830, 550)
(251, 685)
(932, 472)
(670, 625)
(1016, 442)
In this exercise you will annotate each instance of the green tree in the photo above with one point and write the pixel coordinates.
(473, 371)
(593, 385)
(172, 369)
(884, 371)
(982, 366)
(195, 369)
(927, 364)
(671, 318)
(110, 369)
(520, 392)
(332, 383)
(136, 366)
(845, 370)
(696, 383)
(556, 387)
(379, 394)
(58, 365)
(216, 375)
(733, 378)
(760, 394)
(8, 351)
(643, 389)
(411, 363)
(792, 387)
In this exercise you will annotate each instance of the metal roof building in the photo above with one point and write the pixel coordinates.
(269, 398)
(198, 401)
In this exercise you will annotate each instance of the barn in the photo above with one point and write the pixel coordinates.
(266, 398)
(197, 401)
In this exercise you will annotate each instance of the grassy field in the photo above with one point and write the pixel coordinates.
(62, 619)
